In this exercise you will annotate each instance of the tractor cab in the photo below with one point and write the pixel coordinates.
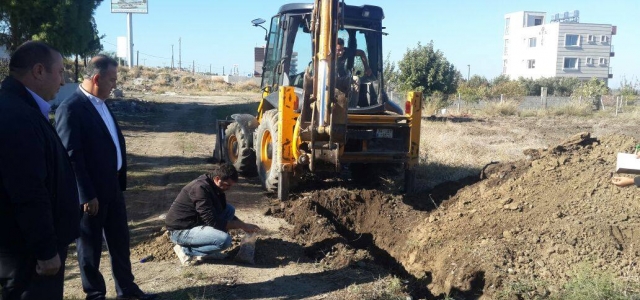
(289, 55)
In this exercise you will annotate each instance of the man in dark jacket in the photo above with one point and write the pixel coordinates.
(39, 210)
(199, 218)
(96, 146)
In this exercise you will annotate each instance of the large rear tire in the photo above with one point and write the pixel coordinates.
(236, 150)
(266, 146)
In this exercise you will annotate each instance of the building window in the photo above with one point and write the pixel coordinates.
(531, 64)
(506, 26)
(604, 39)
(589, 61)
(506, 47)
(591, 38)
(570, 63)
(504, 66)
(603, 61)
(572, 40)
(532, 42)
(537, 21)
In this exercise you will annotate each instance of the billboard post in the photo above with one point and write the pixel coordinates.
(129, 7)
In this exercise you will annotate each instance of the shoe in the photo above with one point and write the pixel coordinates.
(139, 296)
(214, 256)
(185, 259)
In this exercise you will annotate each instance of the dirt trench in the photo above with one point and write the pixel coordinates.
(532, 220)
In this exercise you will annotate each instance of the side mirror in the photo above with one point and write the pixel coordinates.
(258, 23)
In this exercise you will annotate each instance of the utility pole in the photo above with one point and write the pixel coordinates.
(130, 39)
(209, 69)
(193, 67)
(171, 56)
(468, 72)
(180, 54)
(138, 58)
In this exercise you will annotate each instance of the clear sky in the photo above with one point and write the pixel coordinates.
(218, 33)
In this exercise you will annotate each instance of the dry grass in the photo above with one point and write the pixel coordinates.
(387, 288)
(574, 108)
(247, 86)
(453, 150)
(501, 108)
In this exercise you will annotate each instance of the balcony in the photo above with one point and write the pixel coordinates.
(612, 53)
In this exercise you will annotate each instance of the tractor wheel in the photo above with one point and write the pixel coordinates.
(266, 144)
(236, 150)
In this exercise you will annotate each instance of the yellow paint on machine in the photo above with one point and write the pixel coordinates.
(286, 124)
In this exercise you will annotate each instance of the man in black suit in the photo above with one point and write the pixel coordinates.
(39, 210)
(97, 150)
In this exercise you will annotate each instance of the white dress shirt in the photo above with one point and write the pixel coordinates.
(101, 107)
(44, 106)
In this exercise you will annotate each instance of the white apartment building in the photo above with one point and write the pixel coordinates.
(563, 47)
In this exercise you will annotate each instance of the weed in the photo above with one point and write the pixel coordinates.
(573, 108)
(525, 290)
(502, 108)
(589, 284)
(388, 288)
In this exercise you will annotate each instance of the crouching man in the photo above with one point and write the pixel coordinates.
(199, 218)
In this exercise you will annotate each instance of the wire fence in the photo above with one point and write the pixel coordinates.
(459, 105)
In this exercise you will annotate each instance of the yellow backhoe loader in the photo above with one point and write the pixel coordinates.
(314, 118)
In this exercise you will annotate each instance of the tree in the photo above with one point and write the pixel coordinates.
(629, 89)
(591, 90)
(509, 89)
(426, 70)
(67, 25)
(389, 73)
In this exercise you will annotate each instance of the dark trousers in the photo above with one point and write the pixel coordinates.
(19, 280)
(110, 224)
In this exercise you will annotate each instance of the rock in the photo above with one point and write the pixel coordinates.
(506, 201)
(512, 206)
(117, 93)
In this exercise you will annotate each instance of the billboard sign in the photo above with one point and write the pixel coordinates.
(129, 6)
(122, 47)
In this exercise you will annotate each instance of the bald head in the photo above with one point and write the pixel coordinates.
(30, 54)
(39, 68)
(100, 76)
(99, 64)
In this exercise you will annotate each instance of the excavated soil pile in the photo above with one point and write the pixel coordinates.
(529, 220)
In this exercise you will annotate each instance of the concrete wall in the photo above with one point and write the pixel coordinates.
(237, 79)
(65, 92)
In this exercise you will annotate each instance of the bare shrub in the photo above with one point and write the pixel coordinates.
(123, 75)
(502, 108)
(163, 79)
(246, 86)
(150, 74)
(434, 103)
(574, 108)
(135, 72)
(187, 80)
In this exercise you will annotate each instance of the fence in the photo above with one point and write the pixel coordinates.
(459, 105)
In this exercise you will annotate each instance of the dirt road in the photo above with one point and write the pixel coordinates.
(169, 139)
(534, 216)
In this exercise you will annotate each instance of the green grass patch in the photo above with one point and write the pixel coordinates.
(589, 284)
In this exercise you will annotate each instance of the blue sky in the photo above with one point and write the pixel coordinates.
(218, 33)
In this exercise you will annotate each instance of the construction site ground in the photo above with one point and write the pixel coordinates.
(534, 205)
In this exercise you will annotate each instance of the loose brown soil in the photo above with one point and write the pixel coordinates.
(532, 219)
